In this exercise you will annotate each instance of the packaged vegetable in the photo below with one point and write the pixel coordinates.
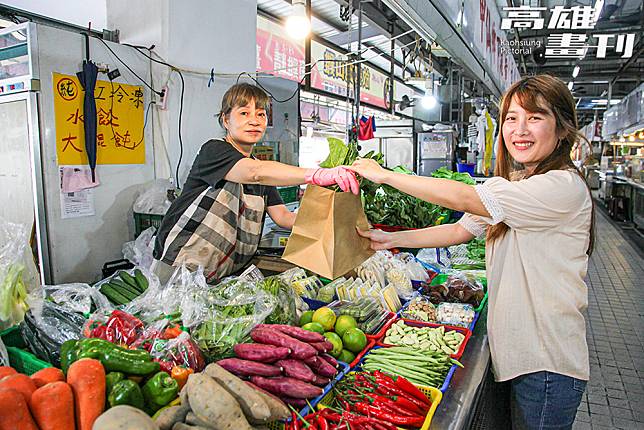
(46, 328)
(285, 300)
(421, 309)
(457, 288)
(119, 327)
(81, 298)
(19, 283)
(223, 316)
(456, 314)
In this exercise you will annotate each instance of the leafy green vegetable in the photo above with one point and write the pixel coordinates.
(285, 310)
(13, 295)
(445, 173)
(337, 153)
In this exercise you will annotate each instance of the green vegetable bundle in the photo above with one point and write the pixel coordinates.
(229, 311)
(285, 311)
(419, 367)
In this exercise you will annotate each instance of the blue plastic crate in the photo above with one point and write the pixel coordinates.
(344, 369)
(443, 388)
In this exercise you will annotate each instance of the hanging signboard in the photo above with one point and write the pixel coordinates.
(277, 53)
(119, 119)
(332, 76)
(482, 30)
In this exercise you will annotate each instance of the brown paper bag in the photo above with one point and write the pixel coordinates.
(324, 238)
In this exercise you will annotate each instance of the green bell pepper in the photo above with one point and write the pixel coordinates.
(111, 379)
(160, 390)
(68, 354)
(116, 359)
(126, 392)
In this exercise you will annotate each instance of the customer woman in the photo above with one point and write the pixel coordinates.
(537, 215)
(216, 222)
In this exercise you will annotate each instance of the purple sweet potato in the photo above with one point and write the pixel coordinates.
(296, 369)
(300, 350)
(295, 332)
(321, 366)
(330, 359)
(298, 403)
(321, 381)
(322, 347)
(289, 387)
(241, 367)
(261, 353)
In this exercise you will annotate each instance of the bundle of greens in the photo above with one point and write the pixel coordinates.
(341, 154)
(230, 310)
(284, 312)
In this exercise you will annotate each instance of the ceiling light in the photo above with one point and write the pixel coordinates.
(575, 71)
(428, 101)
(570, 85)
(641, 135)
(298, 24)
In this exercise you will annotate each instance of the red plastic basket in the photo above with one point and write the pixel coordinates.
(464, 331)
(370, 344)
(383, 330)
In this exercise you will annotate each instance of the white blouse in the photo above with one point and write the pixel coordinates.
(535, 273)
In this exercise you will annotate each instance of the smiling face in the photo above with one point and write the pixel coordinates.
(529, 137)
(245, 125)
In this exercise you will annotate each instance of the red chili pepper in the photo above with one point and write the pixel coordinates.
(385, 415)
(390, 389)
(322, 423)
(407, 404)
(410, 388)
(381, 400)
(295, 425)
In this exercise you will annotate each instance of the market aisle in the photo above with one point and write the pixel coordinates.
(615, 331)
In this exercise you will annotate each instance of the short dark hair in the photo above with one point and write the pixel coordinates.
(240, 95)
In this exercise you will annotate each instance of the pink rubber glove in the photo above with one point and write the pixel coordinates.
(340, 175)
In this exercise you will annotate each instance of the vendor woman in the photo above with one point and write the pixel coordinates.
(216, 222)
(537, 215)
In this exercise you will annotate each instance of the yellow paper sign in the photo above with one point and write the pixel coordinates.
(119, 122)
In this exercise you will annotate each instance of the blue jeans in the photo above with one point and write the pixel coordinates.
(545, 400)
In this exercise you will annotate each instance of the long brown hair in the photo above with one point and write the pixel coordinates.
(531, 93)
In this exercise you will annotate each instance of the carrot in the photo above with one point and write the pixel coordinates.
(14, 412)
(53, 406)
(47, 375)
(87, 379)
(7, 371)
(21, 383)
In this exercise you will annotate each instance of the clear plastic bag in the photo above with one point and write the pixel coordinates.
(4, 355)
(80, 298)
(230, 310)
(118, 327)
(139, 251)
(47, 327)
(458, 288)
(154, 198)
(456, 314)
(179, 351)
(420, 309)
(19, 282)
(285, 297)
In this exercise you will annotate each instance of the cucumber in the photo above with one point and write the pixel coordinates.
(125, 289)
(113, 295)
(141, 280)
(128, 279)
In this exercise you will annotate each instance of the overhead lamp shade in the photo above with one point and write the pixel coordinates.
(298, 24)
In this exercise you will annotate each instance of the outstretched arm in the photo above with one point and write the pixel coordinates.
(430, 237)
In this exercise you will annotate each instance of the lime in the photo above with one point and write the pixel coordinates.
(336, 342)
(354, 340)
(313, 326)
(346, 356)
(306, 318)
(324, 316)
(344, 323)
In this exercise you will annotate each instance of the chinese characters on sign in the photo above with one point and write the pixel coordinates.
(568, 45)
(119, 118)
(276, 53)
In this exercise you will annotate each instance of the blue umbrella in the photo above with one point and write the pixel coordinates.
(87, 78)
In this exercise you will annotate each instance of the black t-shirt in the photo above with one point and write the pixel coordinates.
(212, 164)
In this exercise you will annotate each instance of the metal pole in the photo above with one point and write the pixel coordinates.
(358, 68)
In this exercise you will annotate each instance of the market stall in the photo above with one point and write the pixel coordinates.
(397, 341)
